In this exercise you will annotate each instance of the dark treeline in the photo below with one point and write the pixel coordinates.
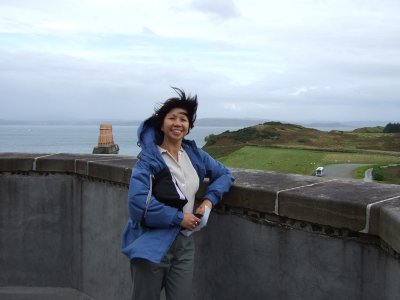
(392, 127)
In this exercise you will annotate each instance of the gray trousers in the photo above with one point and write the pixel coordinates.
(174, 273)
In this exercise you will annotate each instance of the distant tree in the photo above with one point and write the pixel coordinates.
(392, 127)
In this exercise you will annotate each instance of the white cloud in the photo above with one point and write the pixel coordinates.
(224, 9)
(232, 107)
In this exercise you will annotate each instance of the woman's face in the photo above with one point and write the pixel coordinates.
(175, 125)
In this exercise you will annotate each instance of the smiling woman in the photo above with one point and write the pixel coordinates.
(162, 215)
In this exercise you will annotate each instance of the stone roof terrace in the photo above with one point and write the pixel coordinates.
(276, 236)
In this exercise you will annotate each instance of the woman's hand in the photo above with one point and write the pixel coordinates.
(201, 209)
(190, 221)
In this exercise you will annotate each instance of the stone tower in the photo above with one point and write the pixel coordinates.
(106, 141)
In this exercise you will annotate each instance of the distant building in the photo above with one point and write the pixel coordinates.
(106, 141)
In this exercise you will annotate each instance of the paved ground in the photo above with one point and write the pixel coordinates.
(41, 293)
(341, 171)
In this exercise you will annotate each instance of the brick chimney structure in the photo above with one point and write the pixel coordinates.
(106, 141)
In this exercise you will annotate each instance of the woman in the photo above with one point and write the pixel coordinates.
(161, 198)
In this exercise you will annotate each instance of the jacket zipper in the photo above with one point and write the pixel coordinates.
(148, 197)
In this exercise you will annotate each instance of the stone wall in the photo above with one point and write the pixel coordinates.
(275, 236)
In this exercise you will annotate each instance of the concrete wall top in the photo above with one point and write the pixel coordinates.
(358, 206)
(114, 168)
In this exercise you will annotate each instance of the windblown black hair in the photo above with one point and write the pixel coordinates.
(184, 101)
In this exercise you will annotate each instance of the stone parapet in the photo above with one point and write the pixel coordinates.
(366, 208)
(274, 236)
(114, 168)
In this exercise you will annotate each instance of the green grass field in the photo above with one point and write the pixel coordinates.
(297, 161)
(391, 175)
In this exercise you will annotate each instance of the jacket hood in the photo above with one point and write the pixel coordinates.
(148, 139)
(148, 135)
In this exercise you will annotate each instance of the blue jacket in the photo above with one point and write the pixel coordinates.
(152, 242)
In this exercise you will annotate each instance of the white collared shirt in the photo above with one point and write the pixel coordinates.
(185, 175)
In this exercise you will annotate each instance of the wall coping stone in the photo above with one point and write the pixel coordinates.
(364, 207)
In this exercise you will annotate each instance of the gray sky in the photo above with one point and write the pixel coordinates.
(277, 60)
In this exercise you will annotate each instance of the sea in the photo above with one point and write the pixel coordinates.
(81, 138)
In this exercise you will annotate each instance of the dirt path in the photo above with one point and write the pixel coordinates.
(368, 175)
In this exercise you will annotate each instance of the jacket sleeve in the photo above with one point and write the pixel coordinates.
(220, 178)
(158, 214)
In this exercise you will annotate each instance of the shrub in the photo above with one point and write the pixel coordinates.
(272, 123)
(251, 133)
(210, 139)
(377, 174)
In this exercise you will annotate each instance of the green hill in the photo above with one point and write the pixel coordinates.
(376, 129)
(277, 134)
